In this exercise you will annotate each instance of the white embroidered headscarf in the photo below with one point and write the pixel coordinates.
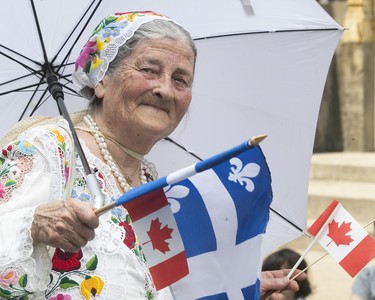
(101, 49)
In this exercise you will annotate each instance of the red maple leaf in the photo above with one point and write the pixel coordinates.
(338, 234)
(158, 236)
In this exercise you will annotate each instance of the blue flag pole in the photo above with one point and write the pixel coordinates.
(182, 174)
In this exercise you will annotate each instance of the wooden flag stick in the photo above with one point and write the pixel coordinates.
(312, 243)
(101, 210)
(256, 140)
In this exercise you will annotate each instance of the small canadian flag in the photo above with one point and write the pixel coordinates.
(159, 236)
(343, 238)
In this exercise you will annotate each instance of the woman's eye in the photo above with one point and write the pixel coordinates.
(181, 80)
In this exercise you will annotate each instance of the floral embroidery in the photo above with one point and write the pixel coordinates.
(26, 148)
(61, 297)
(122, 218)
(109, 28)
(63, 261)
(85, 54)
(62, 148)
(8, 278)
(69, 264)
(12, 285)
(91, 286)
(84, 197)
(14, 161)
(129, 239)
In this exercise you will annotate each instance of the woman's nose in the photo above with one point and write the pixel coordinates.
(164, 88)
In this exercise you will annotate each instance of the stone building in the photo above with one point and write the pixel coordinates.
(346, 121)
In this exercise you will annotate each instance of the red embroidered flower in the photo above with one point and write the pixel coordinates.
(129, 239)
(63, 261)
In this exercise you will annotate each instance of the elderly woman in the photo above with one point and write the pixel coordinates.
(137, 71)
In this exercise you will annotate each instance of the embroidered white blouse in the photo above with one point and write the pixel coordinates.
(42, 166)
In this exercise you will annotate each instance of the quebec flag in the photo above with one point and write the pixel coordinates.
(222, 214)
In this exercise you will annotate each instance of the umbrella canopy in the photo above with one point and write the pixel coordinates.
(261, 68)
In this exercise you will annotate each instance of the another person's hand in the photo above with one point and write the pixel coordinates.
(68, 224)
(274, 283)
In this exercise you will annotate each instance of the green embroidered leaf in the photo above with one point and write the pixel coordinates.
(2, 160)
(98, 28)
(88, 66)
(24, 298)
(149, 296)
(62, 146)
(4, 294)
(92, 263)
(23, 280)
(67, 283)
(110, 20)
(10, 182)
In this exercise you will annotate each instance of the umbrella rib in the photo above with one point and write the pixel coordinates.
(197, 157)
(30, 69)
(15, 79)
(262, 32)
(70, 35)
(39, 31)
(38, 104)
(182, 147)
(80, 33)
(21, 55)
(22, 88)
(285, 219)
(70, 89)
(31, 98)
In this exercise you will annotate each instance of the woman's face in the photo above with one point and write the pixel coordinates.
(150, 91)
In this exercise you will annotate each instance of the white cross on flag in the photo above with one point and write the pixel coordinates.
(344, 238)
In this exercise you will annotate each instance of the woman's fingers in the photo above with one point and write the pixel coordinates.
(68, 225)
(274, 284)
(84, 212)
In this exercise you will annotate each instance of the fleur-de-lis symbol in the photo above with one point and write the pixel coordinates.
(242, 174)
(174, 193)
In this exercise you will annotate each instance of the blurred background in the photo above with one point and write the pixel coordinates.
(343, 163)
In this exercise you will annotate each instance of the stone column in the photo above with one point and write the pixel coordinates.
(328, 137)
(356, 76)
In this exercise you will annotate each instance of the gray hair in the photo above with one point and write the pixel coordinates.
(155, 29)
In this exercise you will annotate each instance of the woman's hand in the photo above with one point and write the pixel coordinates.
(274, 283)
(68, 224)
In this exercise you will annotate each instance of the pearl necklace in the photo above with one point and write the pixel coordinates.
(124, 182)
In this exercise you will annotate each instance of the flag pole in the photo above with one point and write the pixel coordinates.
(182, 174)
(317, 236)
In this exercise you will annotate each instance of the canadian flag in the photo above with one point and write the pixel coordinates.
(158, 234)
(343, 238)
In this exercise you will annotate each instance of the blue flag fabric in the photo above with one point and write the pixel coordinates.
(222, 215)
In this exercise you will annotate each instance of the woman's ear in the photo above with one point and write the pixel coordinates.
(100, 90)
